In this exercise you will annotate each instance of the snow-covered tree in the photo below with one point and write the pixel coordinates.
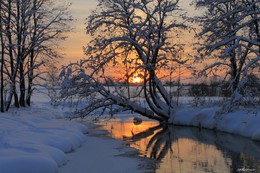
(50, 24)
(232, 39)
(30, 30)
(140, 34)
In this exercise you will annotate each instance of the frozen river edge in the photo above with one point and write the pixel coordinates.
(101, 153)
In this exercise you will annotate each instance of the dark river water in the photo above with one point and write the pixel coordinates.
(186, 149)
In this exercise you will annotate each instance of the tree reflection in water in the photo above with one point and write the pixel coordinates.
(192, 149)
(159, 144)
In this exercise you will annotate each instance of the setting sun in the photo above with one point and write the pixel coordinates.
(137, 79)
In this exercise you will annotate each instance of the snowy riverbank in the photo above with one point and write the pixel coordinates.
(40, 140)
(243, 122)
(33, 140)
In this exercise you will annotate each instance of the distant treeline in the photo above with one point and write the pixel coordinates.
(215, 88)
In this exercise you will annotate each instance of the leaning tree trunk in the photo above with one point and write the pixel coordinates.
(156, 96)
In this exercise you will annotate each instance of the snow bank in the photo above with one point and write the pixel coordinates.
(34, 141)
(243, 122)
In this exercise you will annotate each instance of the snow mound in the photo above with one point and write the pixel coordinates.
(35, 142)
(244, 122)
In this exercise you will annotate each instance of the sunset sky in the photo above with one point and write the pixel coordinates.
(80, 9)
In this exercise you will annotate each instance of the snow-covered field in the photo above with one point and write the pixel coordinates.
(40, 140)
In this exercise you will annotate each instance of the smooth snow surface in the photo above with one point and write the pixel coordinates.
(243, 121)
(40, 140)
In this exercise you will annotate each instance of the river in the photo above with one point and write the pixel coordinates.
(186, 149)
